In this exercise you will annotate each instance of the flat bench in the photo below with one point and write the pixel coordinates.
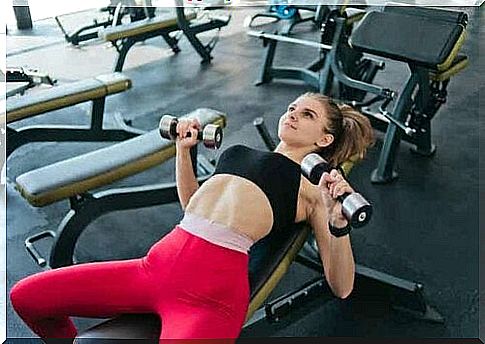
(58, 97)
(73, 179)
(123, 37)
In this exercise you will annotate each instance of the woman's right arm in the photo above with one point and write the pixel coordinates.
(185, 178)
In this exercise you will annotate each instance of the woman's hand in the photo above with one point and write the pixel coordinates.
(185, 126)
(332, 185)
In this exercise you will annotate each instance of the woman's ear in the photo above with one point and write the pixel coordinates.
(325, 141)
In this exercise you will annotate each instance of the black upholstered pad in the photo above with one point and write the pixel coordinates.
(267, 253)
(65, 95)
(411, 38)
(129, 326)
(453, 17)
(265, 256)
(91, 170)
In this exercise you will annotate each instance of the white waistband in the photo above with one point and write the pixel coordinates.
(216, 233)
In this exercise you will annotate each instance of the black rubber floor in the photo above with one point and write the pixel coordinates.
(425, 227)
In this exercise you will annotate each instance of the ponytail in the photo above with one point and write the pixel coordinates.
(352, 132)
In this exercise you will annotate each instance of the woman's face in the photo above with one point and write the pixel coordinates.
(303, 124)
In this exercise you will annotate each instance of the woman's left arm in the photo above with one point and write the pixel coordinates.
(335, 252)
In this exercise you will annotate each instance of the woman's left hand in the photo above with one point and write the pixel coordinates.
(332, 185)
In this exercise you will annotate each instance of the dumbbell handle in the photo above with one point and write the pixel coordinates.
(211, 135)
(173, 133)
(356, 209)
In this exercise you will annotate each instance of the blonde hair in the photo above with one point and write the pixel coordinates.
(352, 131)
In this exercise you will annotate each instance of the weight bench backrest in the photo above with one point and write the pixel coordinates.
(65, 95)
(421, 36)
(89, 171)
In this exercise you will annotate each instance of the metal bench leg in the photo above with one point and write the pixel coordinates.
(125, 47)
(384, 172)
(266, 71)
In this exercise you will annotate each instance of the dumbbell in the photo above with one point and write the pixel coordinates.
(211, 135)
(355, 207)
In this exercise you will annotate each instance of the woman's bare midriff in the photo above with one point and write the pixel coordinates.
(234, 202)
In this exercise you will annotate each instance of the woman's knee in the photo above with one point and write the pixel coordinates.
(22, 294)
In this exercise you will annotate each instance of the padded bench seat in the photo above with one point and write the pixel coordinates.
(422, 40)
(65, 95)
(137, 28)
(269, 260)
(77, 175)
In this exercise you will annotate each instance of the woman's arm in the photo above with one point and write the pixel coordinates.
(335, 252)
(185, 178)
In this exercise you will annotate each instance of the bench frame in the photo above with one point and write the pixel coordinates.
(95, 132)
(72, 133)
(190, 30)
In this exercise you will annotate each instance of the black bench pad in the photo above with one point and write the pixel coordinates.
(416, 39)
(77, 175)
(65, 95)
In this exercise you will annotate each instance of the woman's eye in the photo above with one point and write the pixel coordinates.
(308, 114)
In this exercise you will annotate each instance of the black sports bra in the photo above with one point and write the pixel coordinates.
(275, 174)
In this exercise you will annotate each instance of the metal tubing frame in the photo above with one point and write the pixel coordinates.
(70, 133)
(384, 172)
(191, 31)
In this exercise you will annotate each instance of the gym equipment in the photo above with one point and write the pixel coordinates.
(432, 63)
(354, 63)
(61, 96)
(74, 179)
(23, 17)
(211, 135)
(25, 78)
(117, 10)
(289, 15)
(123, 37)
(270, 258)
(356, 209)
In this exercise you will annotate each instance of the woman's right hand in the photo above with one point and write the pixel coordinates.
(184, 126)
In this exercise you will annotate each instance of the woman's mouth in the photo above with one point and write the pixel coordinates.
(290, 125)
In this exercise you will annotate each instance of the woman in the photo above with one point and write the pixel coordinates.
(196, 277)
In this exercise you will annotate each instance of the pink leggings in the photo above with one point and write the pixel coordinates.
(199, 290)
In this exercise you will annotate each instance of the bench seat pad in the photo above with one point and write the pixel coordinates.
(65, 95)
(82, 173)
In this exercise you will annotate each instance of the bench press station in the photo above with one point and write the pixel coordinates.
(432, 62)
(94, 89)
(270, 258)
(123, 37)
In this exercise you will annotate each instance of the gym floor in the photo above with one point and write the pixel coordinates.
(426, 224)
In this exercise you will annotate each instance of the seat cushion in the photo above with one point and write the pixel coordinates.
(65, 95)
(88, 171)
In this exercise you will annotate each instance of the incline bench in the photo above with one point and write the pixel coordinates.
(74, 178)
(270, 258)
(94, 89)
(123, 37)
